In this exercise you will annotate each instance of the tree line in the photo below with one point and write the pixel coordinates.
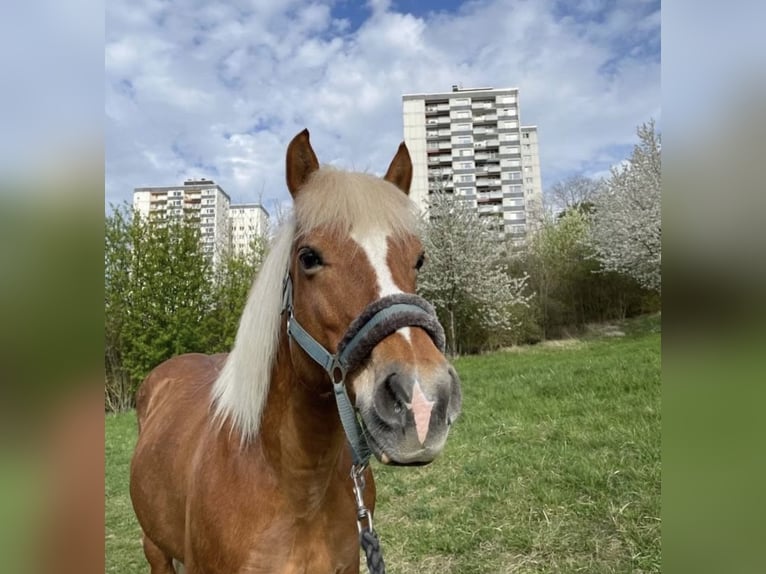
(164, 297)
(596, 257)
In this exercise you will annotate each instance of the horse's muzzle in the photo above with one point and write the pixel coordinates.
(410, 415)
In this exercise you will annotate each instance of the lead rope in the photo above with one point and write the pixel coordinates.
(368, 538)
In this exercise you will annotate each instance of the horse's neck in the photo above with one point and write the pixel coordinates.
(301, 434)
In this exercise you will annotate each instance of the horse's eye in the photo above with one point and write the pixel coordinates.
(310, 259)
(420, 261)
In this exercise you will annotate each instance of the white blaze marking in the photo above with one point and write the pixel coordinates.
(375, 246)
(421, 409)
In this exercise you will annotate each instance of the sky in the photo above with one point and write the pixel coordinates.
(201, 89)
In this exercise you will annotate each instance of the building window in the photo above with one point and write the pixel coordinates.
(464, 139)
(466, 152)
(526, 135)
(528, 180)
(464, 178)
(465, 165)
(514, 175)
(462, 114)
(460, 101)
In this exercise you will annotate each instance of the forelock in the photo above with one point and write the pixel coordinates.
(354, 203)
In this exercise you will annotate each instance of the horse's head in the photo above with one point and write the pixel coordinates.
(356, 242)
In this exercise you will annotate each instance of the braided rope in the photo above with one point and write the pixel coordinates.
(368, 539)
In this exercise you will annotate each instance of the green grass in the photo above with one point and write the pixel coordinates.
(554, 466)
(124, 553)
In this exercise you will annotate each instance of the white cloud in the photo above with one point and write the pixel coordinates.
(226, 87)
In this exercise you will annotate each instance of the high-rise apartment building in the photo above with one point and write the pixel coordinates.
(248, 221)
(202, 198)
(470, 142)
(223, 226)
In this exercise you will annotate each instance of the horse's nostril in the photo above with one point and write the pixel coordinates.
(394, 385)
(391, 399)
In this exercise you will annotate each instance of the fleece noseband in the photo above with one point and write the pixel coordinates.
(377, 321)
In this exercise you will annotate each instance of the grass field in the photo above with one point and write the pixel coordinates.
(554, 466)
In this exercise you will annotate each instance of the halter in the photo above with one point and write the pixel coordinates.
(377, 321)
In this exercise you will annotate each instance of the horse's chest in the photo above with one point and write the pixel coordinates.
(271, 540)
(315, 548)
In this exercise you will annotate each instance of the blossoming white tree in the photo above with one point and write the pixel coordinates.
(626, 231)
(464, 276)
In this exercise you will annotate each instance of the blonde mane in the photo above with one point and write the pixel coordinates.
(346, 202)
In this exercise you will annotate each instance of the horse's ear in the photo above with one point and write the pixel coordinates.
(301, 162)
(400, 171)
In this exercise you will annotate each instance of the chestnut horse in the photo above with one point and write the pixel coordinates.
(242, 464)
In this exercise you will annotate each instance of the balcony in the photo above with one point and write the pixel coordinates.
(438, 159)
(436, 134)
(486, 182)
(440, 185)
(487, 169)
(493, 197)
(436, 108)
(484, 131)
(485, 118)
